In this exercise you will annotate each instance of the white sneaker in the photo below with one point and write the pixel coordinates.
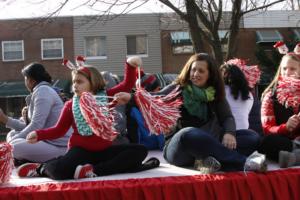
(256, 162)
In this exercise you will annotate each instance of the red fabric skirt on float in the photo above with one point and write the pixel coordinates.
(166, 182)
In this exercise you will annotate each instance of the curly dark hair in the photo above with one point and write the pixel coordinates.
(236, 80)
(37, 72)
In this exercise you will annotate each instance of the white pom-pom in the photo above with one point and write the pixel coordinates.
(80, 60)
(99, 117)
(282, 48)
(68, 64)
(297, 49)
(6, 162)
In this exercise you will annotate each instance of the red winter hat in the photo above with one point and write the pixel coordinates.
(148, 81)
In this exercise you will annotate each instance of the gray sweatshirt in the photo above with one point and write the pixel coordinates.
(44, 108)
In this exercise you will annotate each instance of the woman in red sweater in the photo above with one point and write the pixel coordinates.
(280, 112)
(89, 155)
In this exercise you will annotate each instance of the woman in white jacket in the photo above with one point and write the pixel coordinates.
(43, 109)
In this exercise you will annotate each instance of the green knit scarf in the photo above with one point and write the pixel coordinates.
(195, 100)
(83, 128)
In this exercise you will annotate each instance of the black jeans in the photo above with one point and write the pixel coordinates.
(272, 144)
(114, 159)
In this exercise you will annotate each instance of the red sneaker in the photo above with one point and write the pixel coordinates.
(28, 170)
(85, 171)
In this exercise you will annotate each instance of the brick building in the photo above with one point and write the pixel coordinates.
(24, 41)
(162, 40)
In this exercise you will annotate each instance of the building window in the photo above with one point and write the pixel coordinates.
(137, 45)
(297, 34)
(13, 50)
(95, 47)
(268, 36)
(223, 35)
(181, 42)
(183, 49)
(52, 48)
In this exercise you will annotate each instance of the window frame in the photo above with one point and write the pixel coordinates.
(178, 44)
(183, 47)
(52, 39)
(261, 38)
(147, 48)
(3, 51)
(94, 57)
(223, 35)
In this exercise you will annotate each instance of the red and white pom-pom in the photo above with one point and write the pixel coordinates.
(288, 91)
(68, 64)
(159, 112)
(282, 48)
(80, 61)
(99, 117)
(6, 162)
(252, 72)
(297, 49)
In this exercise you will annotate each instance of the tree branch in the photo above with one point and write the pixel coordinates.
(262, 7)
(170, 5)
(211, 12)
(220, 13)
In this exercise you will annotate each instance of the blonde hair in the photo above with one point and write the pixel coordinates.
(94, 76)
(291, 56)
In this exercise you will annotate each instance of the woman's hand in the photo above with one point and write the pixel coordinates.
(229, 141)
(135, 61)
(122, 98)
(292, 123)
(32, 137)
(3, 117)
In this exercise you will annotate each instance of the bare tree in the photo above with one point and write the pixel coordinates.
(211, 13)
(204, 17)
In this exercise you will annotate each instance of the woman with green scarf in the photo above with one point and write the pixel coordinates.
(205, 135)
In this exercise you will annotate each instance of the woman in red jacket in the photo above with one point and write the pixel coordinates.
(280, 112)
(89, 155)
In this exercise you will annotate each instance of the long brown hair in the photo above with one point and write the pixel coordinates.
(215, 79)
(95, 78)
(275, 79)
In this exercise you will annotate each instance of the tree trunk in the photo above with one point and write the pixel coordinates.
(234, 29)
(217, 51)
(194, 27)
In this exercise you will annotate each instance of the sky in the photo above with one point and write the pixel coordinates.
(11, 9)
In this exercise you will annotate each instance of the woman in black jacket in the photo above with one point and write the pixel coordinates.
(206, 129)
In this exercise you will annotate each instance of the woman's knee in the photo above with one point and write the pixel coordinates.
(10, 135)
(142, 152)
(20, 150)
(277, 142)
(195, 136)
(138, 151)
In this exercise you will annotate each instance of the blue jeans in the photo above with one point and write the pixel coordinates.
(192, 143)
